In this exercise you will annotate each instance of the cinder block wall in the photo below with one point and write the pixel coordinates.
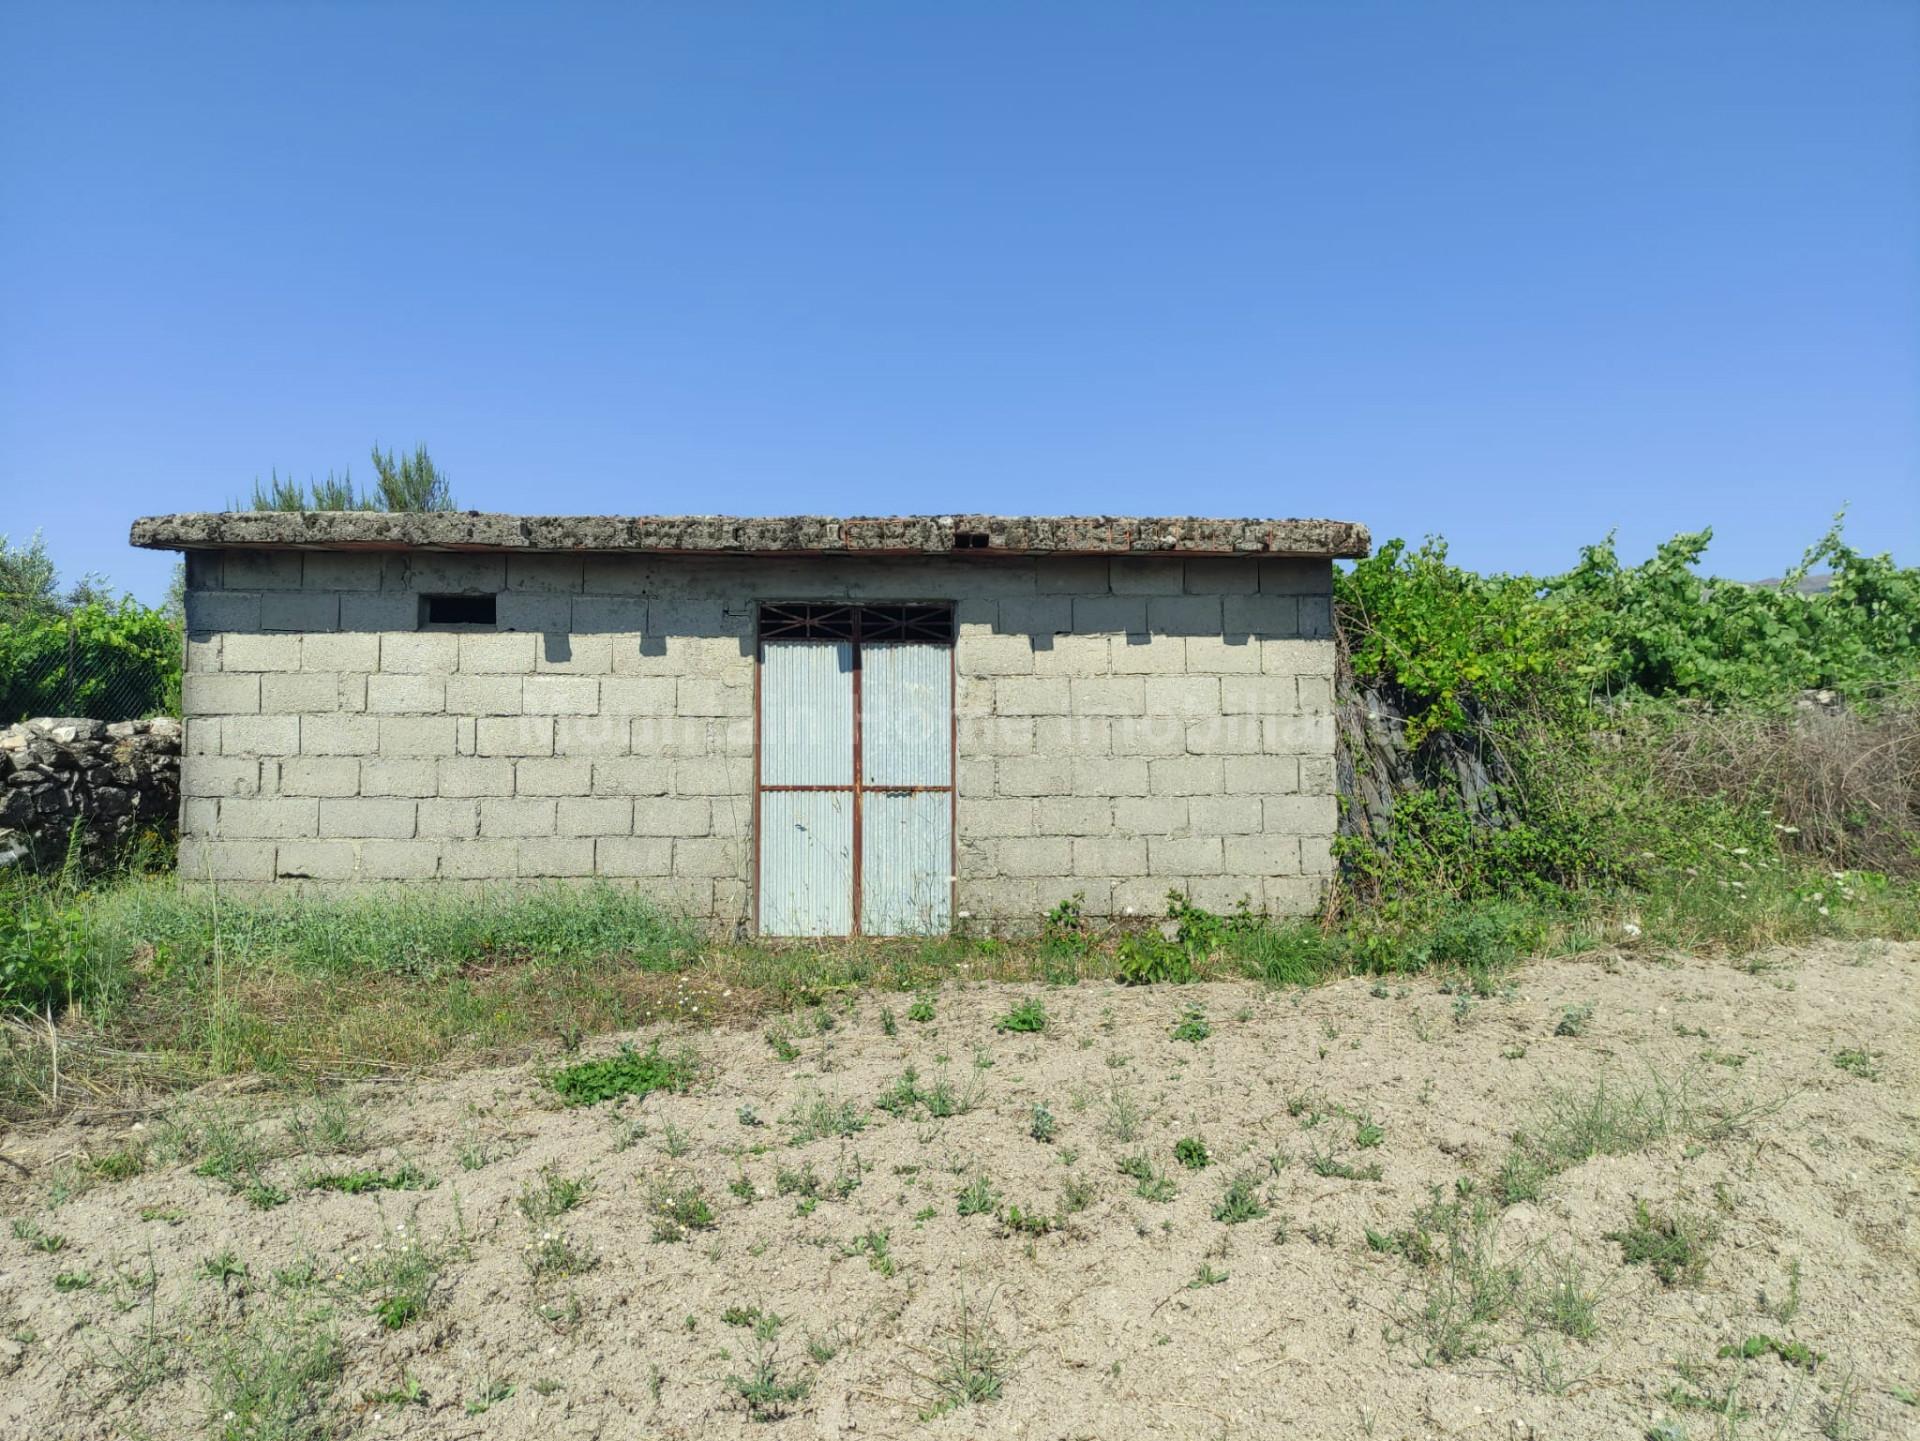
(1126, 725)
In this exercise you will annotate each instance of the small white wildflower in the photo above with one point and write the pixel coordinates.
(1824, 911)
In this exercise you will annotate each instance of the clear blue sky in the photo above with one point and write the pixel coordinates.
(1518, 273)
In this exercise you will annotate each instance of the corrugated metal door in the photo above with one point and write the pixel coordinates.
(806, 788)
(906, 763)
(855, 780)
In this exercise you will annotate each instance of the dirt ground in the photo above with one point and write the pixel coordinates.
(1795, 1078)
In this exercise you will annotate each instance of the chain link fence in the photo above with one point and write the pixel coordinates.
(102, 662)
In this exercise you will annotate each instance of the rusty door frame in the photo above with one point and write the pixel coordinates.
(857, 789)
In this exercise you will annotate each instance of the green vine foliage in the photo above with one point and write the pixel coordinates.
(117, 661)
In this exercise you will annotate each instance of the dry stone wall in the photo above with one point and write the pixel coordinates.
(114, 783)
(1126, 725)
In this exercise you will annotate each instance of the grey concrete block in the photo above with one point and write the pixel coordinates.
(408, 860)
(1224, 735)
(568, 654)
(1191, 697)
(1222, 575)
(261, 653)
(994, 655)
(262, 570)
(268, 818)
(1072, 575)
(206, 775)
(301, 611)
(379, 612)
(319, 776)
(638, 695)
(480, 860)
(595, 816)
(713, 776)
(449, 572)
(594, 736)
(1293, 895)
(1297, 657)
(1147, 575)
(394, 776)
(402, 694)
(497, 653)
(203, 653)
(1162, 815)
(1301, 815)
(1294, 575)
(485, 695)
(1031, 776)
(562, 695)
(1075, 655)
(417, 736)
(341, 570)
(1262, 775)
(252, 735)
(345, 651)
(633, 856)
(316, 860)
(672, 816)
(519, 816)
(610, 615)
(1259, 695)
(993, 816)
(710, 696)
(1267, 854)
(463, 776)
(1109, 856)
(444, 819)
(1109, 614)
(1120, 695)
(1299, 734)
(520, 735)
(357, 817)
(425, 653)
(1030, 616)
(1184, 776)
(1261, 616)
(1175, 856)
(707, 856)
(1153, 735)
(535, 611)
(223, 610)
(220, 694)
(1031, 695)
(1227, 815)
(1184, 615)
(202, 860)
(1222, 655)
(1034, 855)
(630, 776)
(1316, 694)
(553, 776)
(1141, 654)
(545, 572)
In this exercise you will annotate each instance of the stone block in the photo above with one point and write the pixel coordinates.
(711, 696)
(223, 610)
(1262, 775)
(479, 860)
(1109, 614)
(1188, 696)
(1147, 575)
(632, 856)
(1184, 776)
(262, 570)
(1259, 695)
(707, 856)
(1227, 815)
(1266, 854)
(562, 695)
(319, 776)
(1301, 815)
(672, 816)
(358, 817)
(1299, 734)
(301, 611)
(1142, 654)
(1222, 575)
(379, 612)
(610, 615)
(1261, 616)
(1119, 695)
(339, 735)
(535, 612)
(1109, 856)
(601, 735)
(1033, 855)
(994, 655)
(1184, 615)
(411, 860)
(553, 776)
(518, 735)
(341, 570)
(517, 817)
(1222, 655)
(203, 860)
(261, 653)
(399, 776)
(220, 694)
(546, 572)
(595, 816)
(463, 776)
(447, 819)
(316, 860)
(555, 856)
(484, 695)
(497, 653)
(1174, 856)
(268, 818)
(417, 736)
(207, 775)
(1032, 776)
(405, 694)
(253, 735)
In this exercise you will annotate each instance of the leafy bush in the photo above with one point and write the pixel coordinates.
(108, 660)
(630, 1073)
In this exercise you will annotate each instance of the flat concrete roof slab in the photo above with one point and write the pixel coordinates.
(985, 535)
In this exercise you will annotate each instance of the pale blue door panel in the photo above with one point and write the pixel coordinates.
(806, 863)
(906, 862)
(906, 716)
(806, 713)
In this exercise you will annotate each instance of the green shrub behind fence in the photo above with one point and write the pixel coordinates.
(109, 662)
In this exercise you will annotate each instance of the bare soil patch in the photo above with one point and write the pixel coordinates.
(451, 1279)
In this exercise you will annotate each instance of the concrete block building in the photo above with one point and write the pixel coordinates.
(799, 726)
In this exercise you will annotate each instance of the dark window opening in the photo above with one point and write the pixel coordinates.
(932, 622)
(970, 540)
(457, 609)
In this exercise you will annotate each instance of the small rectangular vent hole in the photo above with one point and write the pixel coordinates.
(457, 610)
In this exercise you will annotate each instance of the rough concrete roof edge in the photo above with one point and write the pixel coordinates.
(472, 530)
